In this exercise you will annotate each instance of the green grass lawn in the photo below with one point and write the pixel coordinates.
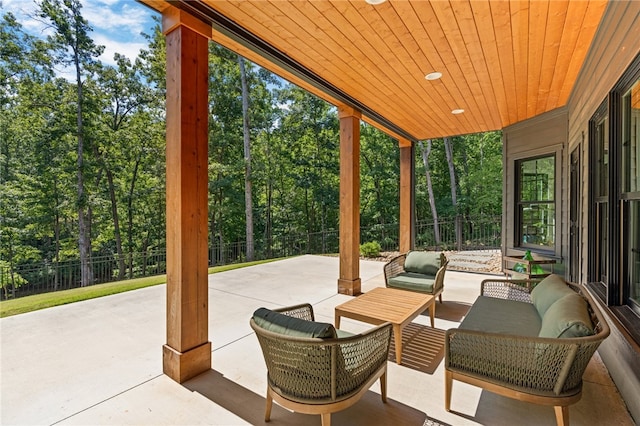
(47, 300)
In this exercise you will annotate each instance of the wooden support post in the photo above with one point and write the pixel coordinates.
(349, 281)
(406, 232)
(187, 352)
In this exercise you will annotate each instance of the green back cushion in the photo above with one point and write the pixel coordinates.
(290, 326)
(422, 262)
(548, 291)
(567, 317)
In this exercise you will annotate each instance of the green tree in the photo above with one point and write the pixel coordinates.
(309, 173)
(29, 157)
(72, 46)
(123, 94)
(379, 187)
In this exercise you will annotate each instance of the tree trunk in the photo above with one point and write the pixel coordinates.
(268, 228)
(448, 149)
(116, 224)
(56, 230)
(84, 237)
(467, 191)
(432, 199)
(130, 215)
(114, 211)
(248, 199)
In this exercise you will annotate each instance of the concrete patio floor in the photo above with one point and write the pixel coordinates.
(100, 361)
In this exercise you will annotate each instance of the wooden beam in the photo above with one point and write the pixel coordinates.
(349, 281)
(173, 17)
(406, 195)
(187, 352)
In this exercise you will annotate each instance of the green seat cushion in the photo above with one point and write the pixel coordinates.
(567, 317)
(551, 289)
(412, 281)
(291, 326)
(423, 262)
(502, 316)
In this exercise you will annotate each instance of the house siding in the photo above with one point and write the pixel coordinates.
(616, 44)
(544, 134)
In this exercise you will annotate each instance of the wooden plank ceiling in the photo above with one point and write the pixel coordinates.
(501, 61)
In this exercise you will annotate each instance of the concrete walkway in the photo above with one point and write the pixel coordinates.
(100, 361)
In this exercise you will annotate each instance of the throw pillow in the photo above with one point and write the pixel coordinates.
(548, 291)
(567, 317)
(291, 326)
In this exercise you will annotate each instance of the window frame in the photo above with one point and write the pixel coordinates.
(626, 195)
(518, 202)
(599, 125)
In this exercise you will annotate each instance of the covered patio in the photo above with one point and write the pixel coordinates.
(97, 362)
(415, 70)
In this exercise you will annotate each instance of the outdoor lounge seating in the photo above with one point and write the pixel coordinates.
(420, 271)
(526, 341)
(313, 368)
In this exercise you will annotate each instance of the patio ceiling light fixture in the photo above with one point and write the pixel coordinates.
(457, 111)
(433, 75)
(375, 2)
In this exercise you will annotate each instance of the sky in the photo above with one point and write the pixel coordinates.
(117, 24)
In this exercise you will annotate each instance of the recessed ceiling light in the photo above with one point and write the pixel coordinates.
(433, 75)
(457, 111)
(374, 2)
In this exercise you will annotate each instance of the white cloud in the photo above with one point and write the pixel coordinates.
(117, 24)
(128, 49)
(25, 12)
(117, 15)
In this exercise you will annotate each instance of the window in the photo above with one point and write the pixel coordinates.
(536, 206)
(631, 139)
(633, 245)
(614, 222)
(630, 193)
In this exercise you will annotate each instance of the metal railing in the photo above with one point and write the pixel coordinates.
(28, 279)
(483, 233)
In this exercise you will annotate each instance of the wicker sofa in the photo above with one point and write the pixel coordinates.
(313, 368)
(526, 340)
(420, 271)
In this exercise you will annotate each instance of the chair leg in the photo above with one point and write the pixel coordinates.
(562, 415)
(326, 419)
(267, 413)
(383, 386)
(448, 384)
(440, 297)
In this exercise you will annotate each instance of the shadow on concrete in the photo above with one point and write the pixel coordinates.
(249, 406)
(422, 348)
(500, 410)
(451, 311)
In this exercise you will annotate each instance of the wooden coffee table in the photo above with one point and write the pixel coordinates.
(382, 304)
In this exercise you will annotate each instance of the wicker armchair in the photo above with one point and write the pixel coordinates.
(427, 276)
(321, 376)
(526, 367)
